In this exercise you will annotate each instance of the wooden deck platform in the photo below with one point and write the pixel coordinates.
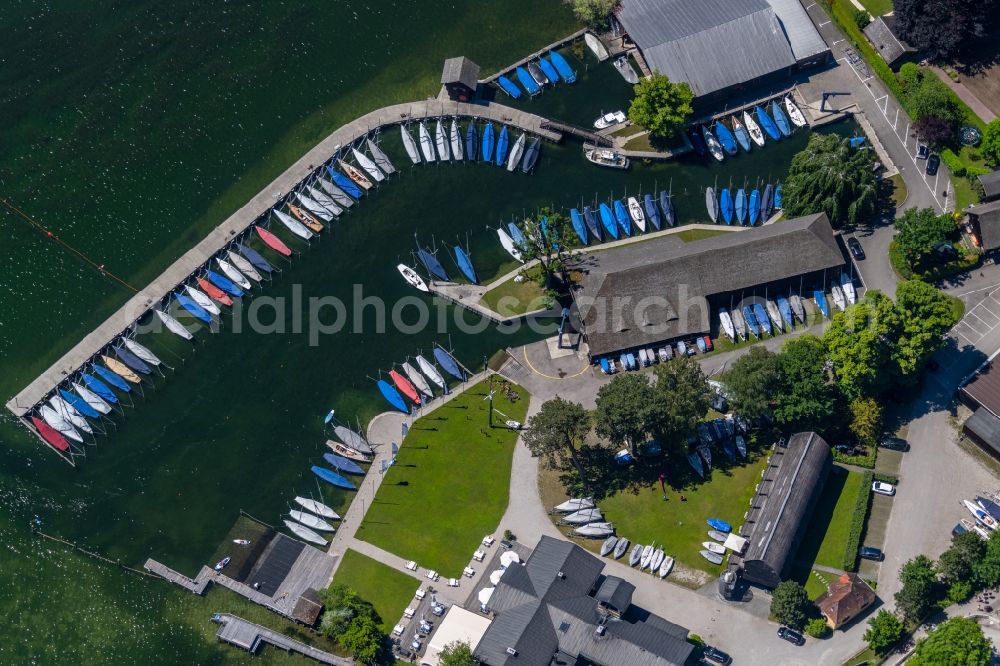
(249, 636)
(241, 221)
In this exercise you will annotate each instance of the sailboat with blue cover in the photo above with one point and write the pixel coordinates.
(448, 362)
(590, 217)
(821, 303)
(392, 396)
(502, 142)
(488, 139)
(192, 307)
(112, 378)
(725, 137)
(754, 208)
(751, 320)
(766, 123)
(621, 214)
(780, 119)
(465, 264)
(333, 478)
(608, 220)
(343, 464)
(516, 234)
(726, 205)
(741, 206)
(471, 142)
(100, 388)
(786, 311)
(508, 86)
(578, 226)
(432, 264)
(652, 212)
(762, 319)
(344, 183)
(223, 283)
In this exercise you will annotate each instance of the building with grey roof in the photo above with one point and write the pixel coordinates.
(718, 46)
(779, 512)
(991, 185)
(980, 391)
(647, 293)
(558, 608)
(460, 77)
(882, 35)
(985, 221)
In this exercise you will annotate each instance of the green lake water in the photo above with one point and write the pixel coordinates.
(132, 131)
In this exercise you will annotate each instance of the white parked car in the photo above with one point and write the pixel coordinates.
(883, 488)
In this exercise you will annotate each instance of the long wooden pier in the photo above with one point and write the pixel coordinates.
(575, 130)
(537, 54)
(249, 636)
(241, 221)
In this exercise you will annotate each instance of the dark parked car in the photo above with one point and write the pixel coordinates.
(854, 245)
(933, 162)
(716, 656)
(871, 553)
(791, 636)
(894, 443)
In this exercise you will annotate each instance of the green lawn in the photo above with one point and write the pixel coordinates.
(877, 7)
(689, 235)
(898, 190)
(450, 484)
(815, 582)
(643, 516)
(387, 589)
(826, 537)
(514, 298)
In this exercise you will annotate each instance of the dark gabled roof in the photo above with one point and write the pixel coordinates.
(579, 569)
(845, 598)
(615, 593)
(780, 510)
(880, 32)
(647, 292)
(711, 44)
(984, 388)
(514, 589)
(985, 427)
(991, 185)
(527, 630)
(460, 70)
(987, 218)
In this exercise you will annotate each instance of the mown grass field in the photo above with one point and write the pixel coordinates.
(388, 590)
(826, 537)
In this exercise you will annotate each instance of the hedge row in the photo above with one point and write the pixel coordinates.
(859, 461)
(861, 504)
(964, 263)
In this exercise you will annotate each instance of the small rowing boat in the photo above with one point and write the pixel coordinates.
(412, 278)
(273, 241)
(596, 46)
(537, 75)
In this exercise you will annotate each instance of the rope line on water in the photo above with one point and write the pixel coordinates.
(50, 234)
(96, 556)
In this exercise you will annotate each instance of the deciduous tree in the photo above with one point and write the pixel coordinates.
(548, 240)
(592, 12)
(915, 597)
(990, 145)
(927, 314)
(884, 631)
(624, 409)
(958, 641)
(457, 653)
(790, 604)
(681, 398)
(806, 397)
(364, 639)
(751, 382)
(861, 342)
(988, 568)
(866, 420)
(938, 28)
(935, 131)
(919, 230)
(930, 97)
(829, 176)
(556, 431)
(957, 564)
(661, 106)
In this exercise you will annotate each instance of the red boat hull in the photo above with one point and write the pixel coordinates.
(50, 434)
(405, 386)
(273, 241)
(214, 291)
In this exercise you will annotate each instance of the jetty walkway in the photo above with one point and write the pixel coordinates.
(241, 221)
(249, 636)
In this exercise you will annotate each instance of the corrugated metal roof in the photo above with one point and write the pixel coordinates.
(711, 44)
(991, 184)
(984, 388)
(985, 427)
(802, 35)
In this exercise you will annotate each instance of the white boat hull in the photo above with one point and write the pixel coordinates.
(233, 274)
(368, 165)
(323, 200)
(426, 143)
(92, 399)
(596, 46)
(727, 324)
(381, 159)
(442, 142)
(794, 113)
(515, 154)
(202, 299)
(431, 372)
(244, 267)
(143, 353)
(410, 145)
(173, 325)
(64, 427)
(508, 244)
(418, 380)
(456, 141)
(635, 210)
(314, 207)
(753, 129)
(66, 410)
(311, 521)
(318, 508)
(294, 225)
(305, 533)
(412, 278)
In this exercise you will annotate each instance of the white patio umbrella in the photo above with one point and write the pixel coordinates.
(495, 576)
(509, 558)
(485, 594)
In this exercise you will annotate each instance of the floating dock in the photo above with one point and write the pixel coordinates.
(243, 219)
(249, 636)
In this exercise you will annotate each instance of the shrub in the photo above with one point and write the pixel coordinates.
(790, 604)
(959, 592)
(953, 162)
(884, 631)
(861, 18)
(509, 536)
(885, 478)
(861, 503)
(695, 639)
(867, 460)
(818, 628)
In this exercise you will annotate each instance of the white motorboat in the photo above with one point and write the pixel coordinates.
(595, 530)
(294, 225)
(68, 412)
(304, 533)
(610, 120)
(92, 399)
(515, 153)
(838, 297)
(141, 351)
(202, 299)
(441, 140)
(310, 520)
(318, 508)
(775, 314)
(850, 293)
(232, 273)
(418, 379)
(794, 113)
(508, 244)
(368, 165)
(606, 157)
(431, 372)
(753, 129)
(624, 68)
(244, 266)
(596, 46)
(727, 324)
(577, 504)
(412, 278)
(426, 143)
(456, 140)
(647, 555)
(713, 547)
(338, 195)
(583, 516)
(172, 325)
(668, 564)
(656, 560)
(608, 545)
(635, 210)
(410, 144)
(381, 159)
(324, 200)
(314, 207)
(620, 548)
(65, 428)
(981, 515)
